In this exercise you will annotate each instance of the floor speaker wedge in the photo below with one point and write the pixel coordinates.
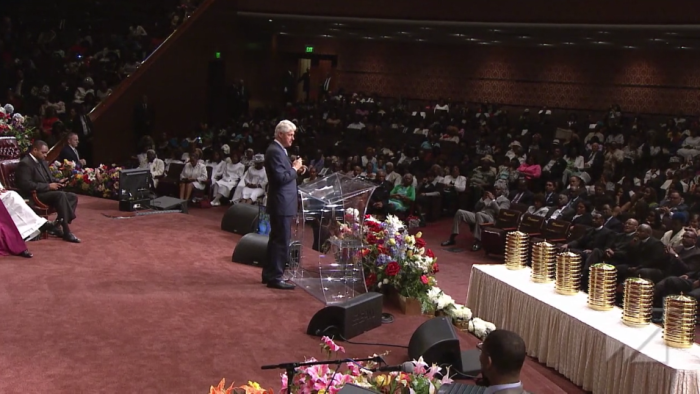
(241, 219)
(251, 250)
(437, 342)
(348, 319)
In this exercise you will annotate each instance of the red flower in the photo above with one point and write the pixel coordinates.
(420, 243)
(370, 280)
(429, 253)
(382, 249)
(393, 268)
(365, 252)
(424, 279)
(436, 268)
(371, 239)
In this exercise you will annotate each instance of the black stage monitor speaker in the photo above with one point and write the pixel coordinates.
(251, 250)
(348, 319)
(437, 342)
(241, 219)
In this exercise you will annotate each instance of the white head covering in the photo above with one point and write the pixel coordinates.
(259, 158)
(226, 149)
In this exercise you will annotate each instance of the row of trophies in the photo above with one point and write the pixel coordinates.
(564, 269)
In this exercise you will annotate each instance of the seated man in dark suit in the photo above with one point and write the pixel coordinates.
(522, 195)
(686, 258)
(647, 258)
(616, 254)
(70, 151)
(611, 221)
(379, 201)
(597, 237)
(33, 174)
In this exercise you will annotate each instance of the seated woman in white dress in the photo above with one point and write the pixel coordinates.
(28, 223)
(254, 181)
(193, 176)
(232, 174)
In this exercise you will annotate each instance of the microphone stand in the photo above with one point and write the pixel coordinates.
(292, 367)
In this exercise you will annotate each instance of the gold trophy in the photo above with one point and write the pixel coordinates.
(543, 262)
(516, 250)
(679, 321)
(568, 273)
(601, 287)
(637, 304)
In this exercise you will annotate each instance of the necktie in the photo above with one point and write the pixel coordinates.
(326, 84)
(517, 198)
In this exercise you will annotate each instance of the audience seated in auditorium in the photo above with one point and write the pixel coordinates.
(70, 151)
(254, 181)
(33, 175)
(194, 176)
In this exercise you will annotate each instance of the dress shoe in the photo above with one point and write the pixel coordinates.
(56, 232)
(26, 254)
(448, 243)
(69, 237)
(278, 284)
(476, 247)
(264, 281)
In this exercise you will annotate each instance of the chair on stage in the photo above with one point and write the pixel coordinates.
(493, 235)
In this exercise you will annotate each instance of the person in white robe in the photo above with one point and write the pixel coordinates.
(27, 221)
(254, 181)
(193, 176)
(156, 166)
(232, 174)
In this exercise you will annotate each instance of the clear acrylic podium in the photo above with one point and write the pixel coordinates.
(332, 212)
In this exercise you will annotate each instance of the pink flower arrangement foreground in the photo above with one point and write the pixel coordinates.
(325, 379)
(102, 181)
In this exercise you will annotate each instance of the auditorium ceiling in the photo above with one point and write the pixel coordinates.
(648, 37)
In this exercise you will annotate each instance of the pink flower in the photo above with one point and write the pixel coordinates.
(424, 279)
(332, 345)
(285, 381)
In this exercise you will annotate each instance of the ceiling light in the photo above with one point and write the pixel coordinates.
(338, 24)
(334, 29)
(655, 39)
(420, 39)
(587, 38)
(682, 47)
(283, 33)
(326, 36)
(472, 39)
(386, 37)
(402, 32)
(671, 33)
(545, 45)
(269, 20)
(568, 43)
(629, 47)
(426, 28)
(601, 42)
(524, 37)
(495, 42)
(603, 32)
(485, 43)
(368, 38)
(458, 35)
(495, 30)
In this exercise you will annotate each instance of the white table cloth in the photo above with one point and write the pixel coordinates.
(594, 349)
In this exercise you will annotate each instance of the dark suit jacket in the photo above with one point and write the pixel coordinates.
(687, 262)
(649, 254)
(382, 192)
(621, 246)
(282, 182)
(614, 225)
(551, 199)
(527, 197)
(68, 154)
(585, 220)
(593, 239)
(31, 176)
(143, 117)
(598, 159)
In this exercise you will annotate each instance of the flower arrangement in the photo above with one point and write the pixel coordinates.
(394, 258)
(13, 124)
(102, 181)
(323, 379)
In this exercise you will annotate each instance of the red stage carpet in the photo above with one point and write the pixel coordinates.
(153, 304)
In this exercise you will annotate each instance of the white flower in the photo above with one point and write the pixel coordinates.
(9, 109)
(478, 328)
(461, 312)
(434, 293)
(18, 118)
(386, 281)
(444, 301)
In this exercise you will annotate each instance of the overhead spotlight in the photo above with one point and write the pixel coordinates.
(629, 47)
(269, 20)
(523, 37)
(426, 28)
(386, 37)
(334, 29)
(655, 39)
(472, 39)
(495, 42)
(671, 33)
(601, 42)
(402, 32)
(421, 40)
(368, 38)
(282, 33)
(587, 38)
(338, 24)
(326, 36)
(545, 45)
(682, 47)
(603, 32)
(568, 43)
(495, 30)
(458, 35)
(484, 43)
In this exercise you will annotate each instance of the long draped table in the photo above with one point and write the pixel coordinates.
(594, 349)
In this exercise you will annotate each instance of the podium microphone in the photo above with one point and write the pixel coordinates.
(405, 367)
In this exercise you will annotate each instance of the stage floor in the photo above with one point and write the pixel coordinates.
(153, 304)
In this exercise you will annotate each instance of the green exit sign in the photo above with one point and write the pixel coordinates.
(309, 49)
(218, 55)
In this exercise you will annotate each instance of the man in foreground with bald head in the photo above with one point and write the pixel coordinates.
(281, 204)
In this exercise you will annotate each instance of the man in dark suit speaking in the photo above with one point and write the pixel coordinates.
(281, 203)
(33, 174)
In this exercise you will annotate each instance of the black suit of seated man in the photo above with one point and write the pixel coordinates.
(597, 237)
(647, 258)
(685, 262)
(33, 174)
(616, 254)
